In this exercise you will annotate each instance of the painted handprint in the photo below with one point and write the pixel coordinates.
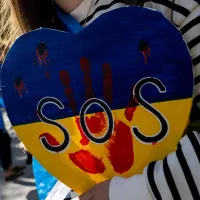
(102, 128)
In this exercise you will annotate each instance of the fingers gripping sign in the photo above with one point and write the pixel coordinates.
(99, 192)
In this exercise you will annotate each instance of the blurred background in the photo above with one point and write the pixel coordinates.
(24, 187)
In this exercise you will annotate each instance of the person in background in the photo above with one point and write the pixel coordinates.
(178, 175)
(10, 172)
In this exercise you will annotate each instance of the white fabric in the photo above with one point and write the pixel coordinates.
(177, 17)
(179, 176)
(191, 159)
(59, 191)
(160, 180)
(82, 11)
(88, 7)
(134, 188)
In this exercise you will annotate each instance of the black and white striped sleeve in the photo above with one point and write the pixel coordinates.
(190, 29)
(185, 14)
(89, 10)
(177, 177)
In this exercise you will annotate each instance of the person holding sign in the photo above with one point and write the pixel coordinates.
(156, 173)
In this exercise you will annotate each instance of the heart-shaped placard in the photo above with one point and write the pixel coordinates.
(103, 102)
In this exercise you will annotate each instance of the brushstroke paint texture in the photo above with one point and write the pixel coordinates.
(91, 48)
(87, 162)
(120, 148)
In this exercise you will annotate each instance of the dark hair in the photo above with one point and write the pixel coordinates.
(32, 14)
(20, 16)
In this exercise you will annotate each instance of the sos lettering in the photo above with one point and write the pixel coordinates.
(137, 93)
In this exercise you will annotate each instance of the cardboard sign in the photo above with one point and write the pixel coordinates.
(103, 102)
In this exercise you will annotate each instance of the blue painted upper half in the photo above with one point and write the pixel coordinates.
(113, 39)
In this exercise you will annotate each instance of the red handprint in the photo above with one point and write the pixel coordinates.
(120, 146)
(131, 108)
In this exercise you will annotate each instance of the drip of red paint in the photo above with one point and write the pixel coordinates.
(154, 143)
(120, 148)
(84, 140)
(130, 109)
(96, 123)
(47, 75)
(51, 140)
(87, 162)
(129, 113)
(38, 57)
(146, 54)
(42, 58)
(85, 66)
(107, 83)
(21, 87)
(65, 80)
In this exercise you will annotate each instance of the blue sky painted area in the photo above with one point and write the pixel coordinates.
(112, 39)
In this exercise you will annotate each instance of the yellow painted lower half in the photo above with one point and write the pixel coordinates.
(59, 165)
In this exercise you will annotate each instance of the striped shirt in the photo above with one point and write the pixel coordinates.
(177, 177)
(89, 10)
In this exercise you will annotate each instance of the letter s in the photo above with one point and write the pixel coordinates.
(163, 122)
(44, 141)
